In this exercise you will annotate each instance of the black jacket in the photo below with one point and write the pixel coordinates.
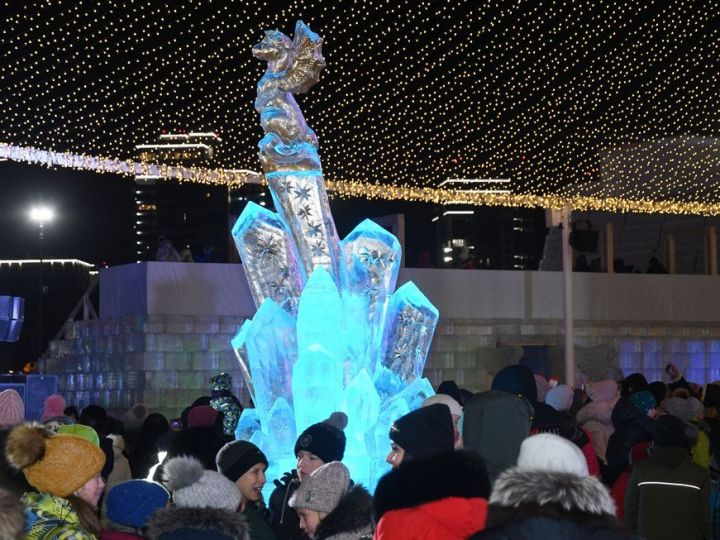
(544, 504)
(185, 523)
(283, 519)
(631, 427)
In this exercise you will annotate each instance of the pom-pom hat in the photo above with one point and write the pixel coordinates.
(194, 487)
(56, 464)
(323, 489)
(325, 439)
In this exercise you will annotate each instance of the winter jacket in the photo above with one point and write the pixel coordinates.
(350, 520)
(631, 428)
(494, 425)
(544, 504)
(177, 523)
(596, 419)
(283, 519)
(257, 524)
(443, 497)
(667, 498)
(50, 516)
(701, 448)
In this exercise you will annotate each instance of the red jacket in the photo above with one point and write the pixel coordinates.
(452, 518)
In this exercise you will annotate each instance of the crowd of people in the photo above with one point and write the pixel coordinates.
(526, 459)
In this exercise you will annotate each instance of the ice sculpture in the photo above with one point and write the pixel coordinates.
(331, 332)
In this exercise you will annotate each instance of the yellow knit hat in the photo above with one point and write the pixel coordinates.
(56, 464)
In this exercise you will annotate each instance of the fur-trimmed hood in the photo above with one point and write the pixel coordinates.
(351, 518)
(535, 493)
(214, 524)
(456, 474)
(599, 411)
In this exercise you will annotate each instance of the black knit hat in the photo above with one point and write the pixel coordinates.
(325, 439)
(425, 432)
(238, 457)
(516, 379)
(668, 431)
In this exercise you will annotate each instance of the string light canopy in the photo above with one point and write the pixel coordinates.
(607, 104)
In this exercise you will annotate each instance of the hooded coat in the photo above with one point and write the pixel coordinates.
(50, 516)
(350, 520)
(631, 427)
(596, 419)
(529, 504)
(443, 497)
(667, 497)
(494, 426)
(176, 523)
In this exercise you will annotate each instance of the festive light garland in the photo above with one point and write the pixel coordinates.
(415, 91)
(350, 188)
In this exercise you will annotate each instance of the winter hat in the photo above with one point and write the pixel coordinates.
(194, 487)
(12, 409)
(325, 439)
(132, 503)
(425, 432)
(516, 379)
(453, 405)
(79, 430)
(56, 464)
(450, 388)
(552, 453)
(202, 416)
(643, 400)
(696, 407)
(560, 397)
(658, 389)
(542, 387)
(323, 489)
(237, 457)
(54, 406)
(678, 407)
(669, 430)
(602, 390)
(220, 382)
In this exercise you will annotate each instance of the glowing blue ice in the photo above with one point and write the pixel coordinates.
(272, 351)
(362, 399)
(248, 424)
(372, 261)
(281, 428)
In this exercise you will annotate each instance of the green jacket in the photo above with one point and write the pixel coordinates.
(49, 517)
(668, 498)
(257, 524)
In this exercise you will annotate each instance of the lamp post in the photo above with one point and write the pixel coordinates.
(41, 215)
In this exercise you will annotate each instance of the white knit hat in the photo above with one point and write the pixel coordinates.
(194, 487)
(552, 453)
(455, 407)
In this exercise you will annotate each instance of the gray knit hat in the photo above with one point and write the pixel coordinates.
(323, 489)
(194, 487)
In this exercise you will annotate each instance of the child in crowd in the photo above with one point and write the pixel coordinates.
(205, 505)
(243, 463)
(65, 471)
(329, 509)
(319, 444)
(129, 506)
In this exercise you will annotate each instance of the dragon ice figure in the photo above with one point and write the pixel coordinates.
(293, 67)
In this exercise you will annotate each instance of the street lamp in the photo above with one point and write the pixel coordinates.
(41, 215)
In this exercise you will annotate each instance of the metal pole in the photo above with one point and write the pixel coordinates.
(42, 290)
(568, 299)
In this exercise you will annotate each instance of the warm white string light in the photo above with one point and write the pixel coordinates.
(415, 91)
